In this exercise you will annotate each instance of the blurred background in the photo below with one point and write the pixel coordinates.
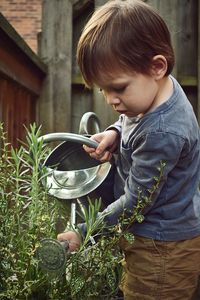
(39, 77)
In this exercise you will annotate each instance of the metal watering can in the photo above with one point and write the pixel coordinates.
(72, 173)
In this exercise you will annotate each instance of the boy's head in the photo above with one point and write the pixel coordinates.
(123, 36)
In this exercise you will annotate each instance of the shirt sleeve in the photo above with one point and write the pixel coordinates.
(151, 149)
(117, 125)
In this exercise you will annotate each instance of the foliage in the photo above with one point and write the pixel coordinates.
(28, 214)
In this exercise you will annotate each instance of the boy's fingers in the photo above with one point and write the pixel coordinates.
(101, 147)
(63, 237)
(68, 235)
(89, 149)
(95, 153)
(106, 156)
(72, 238)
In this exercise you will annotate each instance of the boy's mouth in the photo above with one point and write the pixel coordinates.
(121, 111)
(126, 112)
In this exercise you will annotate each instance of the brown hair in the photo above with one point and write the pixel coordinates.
(123, 35)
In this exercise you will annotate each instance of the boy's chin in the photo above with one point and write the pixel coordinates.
(130, 114)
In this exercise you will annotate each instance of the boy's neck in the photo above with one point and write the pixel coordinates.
(165, 91)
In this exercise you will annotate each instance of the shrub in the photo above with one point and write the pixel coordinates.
(28, 214)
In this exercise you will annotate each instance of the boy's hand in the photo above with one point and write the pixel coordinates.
(108, 141)
(73, 238)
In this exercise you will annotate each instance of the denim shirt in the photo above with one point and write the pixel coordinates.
(170, 134)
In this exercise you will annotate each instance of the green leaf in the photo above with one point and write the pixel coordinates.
(129, 237)
(139, 218)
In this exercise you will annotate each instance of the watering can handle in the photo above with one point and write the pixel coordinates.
(83, 127)
(71, 137)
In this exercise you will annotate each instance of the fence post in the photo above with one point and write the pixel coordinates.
(55, 49)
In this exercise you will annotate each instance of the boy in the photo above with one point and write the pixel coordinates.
(125, 50)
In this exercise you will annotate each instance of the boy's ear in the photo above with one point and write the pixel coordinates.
(159, 66)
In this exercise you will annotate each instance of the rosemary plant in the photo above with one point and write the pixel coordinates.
(28, 214)
(94, 272)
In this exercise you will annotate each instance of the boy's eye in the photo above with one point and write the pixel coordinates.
(114, 89)
(119, 89)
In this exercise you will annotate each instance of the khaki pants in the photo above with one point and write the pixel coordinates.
(157, 270)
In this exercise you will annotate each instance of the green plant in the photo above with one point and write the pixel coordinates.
(95, 270)
(28, 214)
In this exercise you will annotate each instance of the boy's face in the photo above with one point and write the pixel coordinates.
(130, 93)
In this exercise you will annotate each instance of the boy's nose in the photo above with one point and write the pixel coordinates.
(112, 99)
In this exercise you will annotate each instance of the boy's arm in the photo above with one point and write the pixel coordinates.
(146, 158)
(116, 126)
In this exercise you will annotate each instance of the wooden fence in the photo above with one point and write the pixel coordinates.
(66, 100)
(17, 109)
(21, 78)
(182, 17)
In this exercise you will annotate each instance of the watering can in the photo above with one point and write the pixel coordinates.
(72, 174)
